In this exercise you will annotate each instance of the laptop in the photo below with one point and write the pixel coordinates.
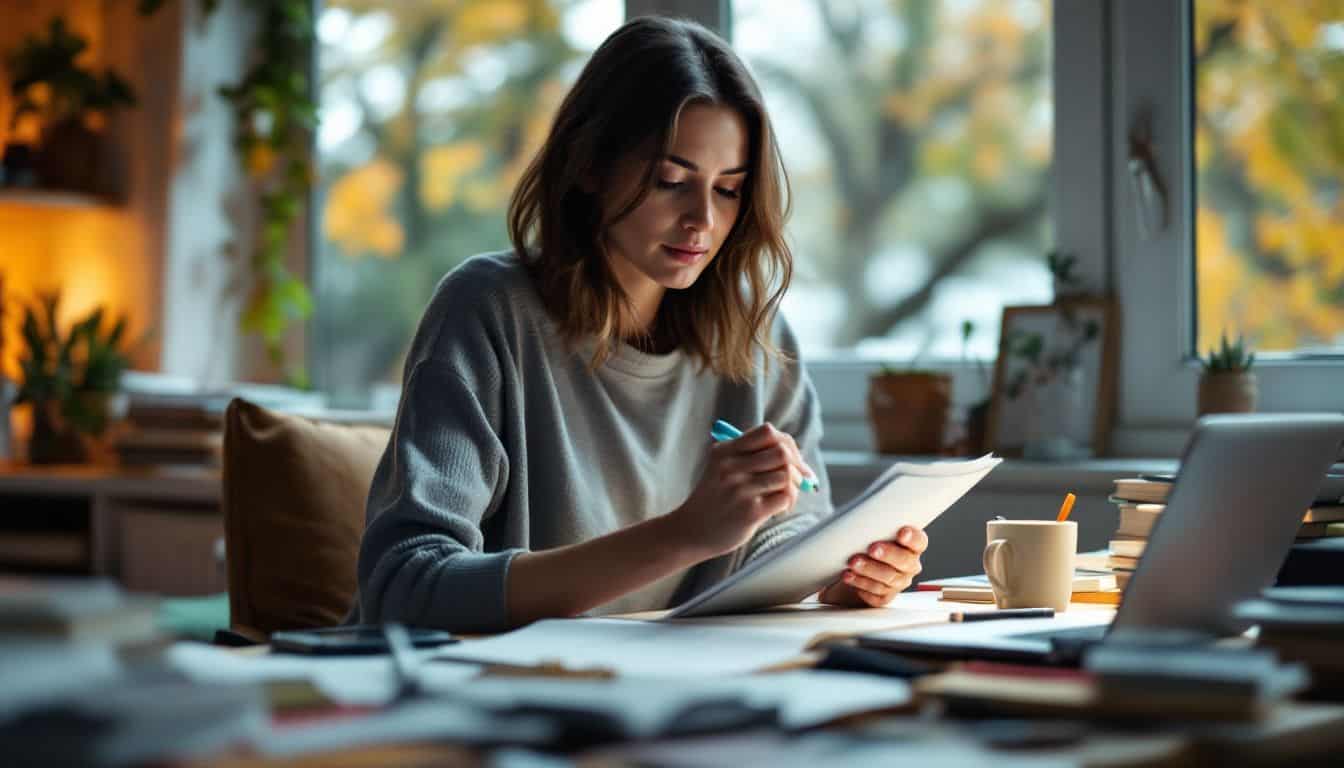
(1231, 516)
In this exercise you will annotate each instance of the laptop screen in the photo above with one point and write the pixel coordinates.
(1236, 505)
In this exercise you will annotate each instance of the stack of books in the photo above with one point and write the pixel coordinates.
(1089, 586)
(1141, 501)
(1304, 625)
(176, 421)
(172, 429)
(1126, 681)
(70, 610)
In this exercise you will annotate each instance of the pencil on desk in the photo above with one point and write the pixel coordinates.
(1005, 613)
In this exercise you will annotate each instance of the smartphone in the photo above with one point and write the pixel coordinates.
(354, 640)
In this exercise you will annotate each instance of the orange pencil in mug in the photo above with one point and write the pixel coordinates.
(1066, 508)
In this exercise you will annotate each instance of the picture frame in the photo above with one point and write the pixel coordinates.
(1054, 380)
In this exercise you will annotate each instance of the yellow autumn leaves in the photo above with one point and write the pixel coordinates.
(978, 57)
(359, 216)
(363, 209)
(1269, 233)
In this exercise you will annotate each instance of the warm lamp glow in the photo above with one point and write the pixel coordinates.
(93, 256)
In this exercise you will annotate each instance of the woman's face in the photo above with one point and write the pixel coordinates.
(668, 240)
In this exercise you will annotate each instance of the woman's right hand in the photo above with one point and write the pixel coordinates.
(747, 480)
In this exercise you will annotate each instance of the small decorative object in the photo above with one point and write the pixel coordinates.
(17, 165)
(908, 410)
(1227, 384)
(8, 389)
(73, 381)
(8, 392)
(1145, 178)
(1053, 382)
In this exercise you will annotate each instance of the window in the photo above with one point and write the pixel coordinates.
(430, 112)
(1269, 174)
(1230, 225)
(918, 137)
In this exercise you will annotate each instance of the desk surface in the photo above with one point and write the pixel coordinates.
(917, 734)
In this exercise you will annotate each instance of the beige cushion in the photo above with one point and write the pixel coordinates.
(294, 494)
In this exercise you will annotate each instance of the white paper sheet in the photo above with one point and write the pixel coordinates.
(804, 698)
(905, 494)
(345, 679)
(636, 648)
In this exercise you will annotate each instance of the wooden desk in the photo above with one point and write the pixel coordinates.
(152, 528)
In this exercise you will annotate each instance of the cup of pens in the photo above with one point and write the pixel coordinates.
(1030, 562)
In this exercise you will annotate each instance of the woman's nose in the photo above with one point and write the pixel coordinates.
(699, 214)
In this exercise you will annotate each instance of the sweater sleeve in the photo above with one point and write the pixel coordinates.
(791, 404)
(422, 560)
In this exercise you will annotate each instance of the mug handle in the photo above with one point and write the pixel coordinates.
(997, 555)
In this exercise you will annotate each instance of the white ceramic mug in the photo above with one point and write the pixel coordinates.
(1030, 562)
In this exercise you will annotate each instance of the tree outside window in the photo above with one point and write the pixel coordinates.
(1269, 159)
(430, 112)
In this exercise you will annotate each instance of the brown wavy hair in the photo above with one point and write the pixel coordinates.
(625, 104)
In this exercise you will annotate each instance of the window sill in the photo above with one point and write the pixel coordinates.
(1014, 475)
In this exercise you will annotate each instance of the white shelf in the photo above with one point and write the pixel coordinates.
(50, 198)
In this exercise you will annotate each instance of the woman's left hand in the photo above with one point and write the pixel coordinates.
(876, 576)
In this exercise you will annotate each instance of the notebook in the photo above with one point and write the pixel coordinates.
(905, 494)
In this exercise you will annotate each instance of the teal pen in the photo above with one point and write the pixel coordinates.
(722, 431)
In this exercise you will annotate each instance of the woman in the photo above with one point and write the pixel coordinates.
(551, 453)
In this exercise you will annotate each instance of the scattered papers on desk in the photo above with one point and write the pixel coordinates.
(804, 699)
(681, 648)
(425, 720)
(37, 673)
(956, 633)
(357, 680)
(636, 648)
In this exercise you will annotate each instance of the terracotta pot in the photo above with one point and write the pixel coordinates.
(908, 411)
(1227, 392)
(53, 440)
(69, 158)
(56, 441)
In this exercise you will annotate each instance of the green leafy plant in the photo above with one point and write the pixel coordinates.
(1061, 266)
(1228, 357)
(58, 369)
(46, 79)
(967, 331)
(1042, 363)
(274, 121)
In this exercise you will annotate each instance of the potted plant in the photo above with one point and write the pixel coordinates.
(71, 380)
(1227, 383)
(61, 106)
(908, 410)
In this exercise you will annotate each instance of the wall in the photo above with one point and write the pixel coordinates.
(96, 253)
(171, 249)
(208, 211)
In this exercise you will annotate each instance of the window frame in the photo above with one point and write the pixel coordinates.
(1080, 204)
(1155, 276)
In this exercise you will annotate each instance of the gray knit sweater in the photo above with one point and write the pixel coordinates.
(506, 441)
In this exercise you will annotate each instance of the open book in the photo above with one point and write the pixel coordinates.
(905, 494)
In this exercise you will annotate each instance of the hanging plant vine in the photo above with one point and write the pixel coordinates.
(274, 121)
